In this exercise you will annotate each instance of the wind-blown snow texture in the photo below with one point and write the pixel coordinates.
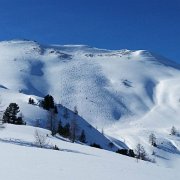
(127, 93)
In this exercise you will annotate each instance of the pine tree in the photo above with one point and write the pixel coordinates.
(10, 115)
(131, 153)
(60, 128)
(31, 101)
(64, 131)
(82, 137)
(67, 130)
(48, 102)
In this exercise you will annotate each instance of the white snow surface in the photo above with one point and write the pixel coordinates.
(21, 160)
(127, 93)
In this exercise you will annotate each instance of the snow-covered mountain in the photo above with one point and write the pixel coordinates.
(106, 86)
(127, 93)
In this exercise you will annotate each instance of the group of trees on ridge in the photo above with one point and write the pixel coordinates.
(70, 129)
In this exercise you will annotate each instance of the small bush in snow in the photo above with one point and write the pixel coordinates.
(40, 139)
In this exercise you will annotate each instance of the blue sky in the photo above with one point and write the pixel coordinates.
(114, 24)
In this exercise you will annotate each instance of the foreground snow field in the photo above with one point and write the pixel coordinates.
(72, 162)
(126, 94)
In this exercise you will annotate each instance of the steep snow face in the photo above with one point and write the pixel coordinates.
(106, 86)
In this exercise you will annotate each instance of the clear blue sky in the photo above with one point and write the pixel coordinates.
(114, 24)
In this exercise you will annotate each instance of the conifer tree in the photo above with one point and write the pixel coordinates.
(82, 137)
(31, 101)
(48, 102)
(60, 128)
(10, 114)
(67, 130)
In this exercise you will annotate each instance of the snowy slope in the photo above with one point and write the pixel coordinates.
(106, 86)
(128, 93)
(22, 161)
(37, 116)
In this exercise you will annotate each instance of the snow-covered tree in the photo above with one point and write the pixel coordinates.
(140, 152)
(152, 139)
